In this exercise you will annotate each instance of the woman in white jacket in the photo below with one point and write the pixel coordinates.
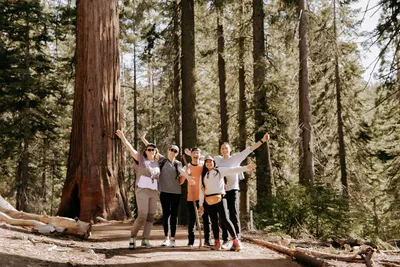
(212, 190)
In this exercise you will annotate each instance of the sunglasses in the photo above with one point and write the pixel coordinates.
(150, 149)
(173, 150)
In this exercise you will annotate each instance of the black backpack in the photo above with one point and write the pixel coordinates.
(162, 163)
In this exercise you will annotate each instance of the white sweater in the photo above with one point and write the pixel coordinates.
(233, 161)
(214, 181)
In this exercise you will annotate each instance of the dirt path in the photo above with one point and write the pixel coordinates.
(108, 247)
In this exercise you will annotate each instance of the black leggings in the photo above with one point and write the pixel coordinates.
(220, 210)
(232, 197)
(170, 204)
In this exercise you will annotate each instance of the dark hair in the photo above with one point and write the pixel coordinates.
(205, 171)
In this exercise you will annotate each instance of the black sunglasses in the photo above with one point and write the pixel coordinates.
(173, 150)
(150, 149)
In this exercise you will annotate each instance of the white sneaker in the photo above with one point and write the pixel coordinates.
(172, 243)
(225, 245)
(166, 243)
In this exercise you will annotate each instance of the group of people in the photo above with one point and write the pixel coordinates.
(213, 185)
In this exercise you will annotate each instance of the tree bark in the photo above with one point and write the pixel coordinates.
(176, 78)
(189, 120)
(342, 149)
(222, 72)
(244, 196)
(91, 188)
(263, 170)
(306, 170)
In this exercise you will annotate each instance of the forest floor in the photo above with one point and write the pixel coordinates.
(108, 246)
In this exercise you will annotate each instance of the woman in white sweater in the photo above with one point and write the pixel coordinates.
(212, 190)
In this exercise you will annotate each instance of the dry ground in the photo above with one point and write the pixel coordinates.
(108, 247)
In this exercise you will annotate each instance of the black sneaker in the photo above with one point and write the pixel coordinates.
(207, 243)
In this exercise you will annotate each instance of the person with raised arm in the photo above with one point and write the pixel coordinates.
(192, 172)
(212, 192)
(170, 190)
(146, 189)
(232, 183)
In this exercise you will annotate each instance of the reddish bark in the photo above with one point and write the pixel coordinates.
(91, 188)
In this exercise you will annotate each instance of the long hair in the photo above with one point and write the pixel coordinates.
(205, 171)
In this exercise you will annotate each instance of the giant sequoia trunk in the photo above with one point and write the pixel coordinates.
(263, 171)
(222, 72)
(306, 170)
(189, 123)
(91, 188)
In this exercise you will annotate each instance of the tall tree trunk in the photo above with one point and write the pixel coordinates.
(189, 123)
(91, 188)
(244, 196)
(342, 150)
(176, 79)
(22, 201)
(221, 72)
(263, 170)
(44, 178)
(306, 170)
(135, 96)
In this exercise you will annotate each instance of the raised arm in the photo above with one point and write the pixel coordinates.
(143, 138)
(131, 150)
(232, 170)
(259, 143)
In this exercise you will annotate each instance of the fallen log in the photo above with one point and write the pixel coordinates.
(60, 224)
(4, 203)
(36, 225)
(296, 254)
(327, 256)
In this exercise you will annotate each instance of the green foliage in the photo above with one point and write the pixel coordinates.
(297, 210)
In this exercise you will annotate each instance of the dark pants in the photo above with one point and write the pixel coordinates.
(192, 222)
(219, 212)
(170, 204)
(232, 198)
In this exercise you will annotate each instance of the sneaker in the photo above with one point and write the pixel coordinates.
(146, 243)
(217, 245)
(132, 243)
(236, 246)
(207, 243)
(172, 243)
(225, 245)
(166, 243)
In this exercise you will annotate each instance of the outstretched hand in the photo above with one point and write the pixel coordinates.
(265, 138)
(143, 134)
(188, 152)
(251, 167)
(191, 180)
(120, 134)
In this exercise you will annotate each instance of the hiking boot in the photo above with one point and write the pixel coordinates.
(217, 245)
(236, 246)
(132, 243)
(166, 243)
(225, 245)
(146, 243)
(172, 243)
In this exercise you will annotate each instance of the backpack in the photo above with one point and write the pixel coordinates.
(162, 163)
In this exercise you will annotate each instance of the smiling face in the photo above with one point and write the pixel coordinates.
(209, 164)
(225, 150)
(195, 156)
(150, 152)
